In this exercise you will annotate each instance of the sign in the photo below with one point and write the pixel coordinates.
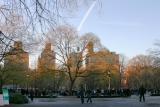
(5, 96)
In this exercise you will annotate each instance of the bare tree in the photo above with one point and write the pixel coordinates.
(15, 30)
(4, 45)
(40, 14)
(139, 70)
(155, 53)
(70, 49)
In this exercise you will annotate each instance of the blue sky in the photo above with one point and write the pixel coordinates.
(129, 27)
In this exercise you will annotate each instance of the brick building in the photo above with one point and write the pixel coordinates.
(17, 56)
(46, 60)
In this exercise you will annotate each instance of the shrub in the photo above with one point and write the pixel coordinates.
(18, 98)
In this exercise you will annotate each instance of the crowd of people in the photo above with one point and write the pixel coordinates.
(123, 92)
(83, 93)
(108, 93)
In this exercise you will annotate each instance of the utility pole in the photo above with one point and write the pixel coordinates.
(109, 80)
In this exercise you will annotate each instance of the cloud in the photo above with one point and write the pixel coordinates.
(86, 15)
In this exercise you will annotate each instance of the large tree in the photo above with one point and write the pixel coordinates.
(70, 49)
(155, 53)
(139, 71)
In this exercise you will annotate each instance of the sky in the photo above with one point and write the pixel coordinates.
(128, 27)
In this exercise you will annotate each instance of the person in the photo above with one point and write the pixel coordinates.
(142, 91)
(31, 95)
(89, 96)
(82, 94)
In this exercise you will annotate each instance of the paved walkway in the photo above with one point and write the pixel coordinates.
(97, 102)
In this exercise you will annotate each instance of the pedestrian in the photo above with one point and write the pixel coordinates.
(142, 91)
(31, 95)
(82, 92)
(89, 96)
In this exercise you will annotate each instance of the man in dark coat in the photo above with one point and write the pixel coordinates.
(82, 92)
(89, 96)
(142, 91)
(31, 95)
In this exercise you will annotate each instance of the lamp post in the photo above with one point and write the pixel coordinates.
(109, 80)
(120, 71)
(27, 81)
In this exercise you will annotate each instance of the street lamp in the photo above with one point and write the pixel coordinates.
(109, 80)
(27, 81)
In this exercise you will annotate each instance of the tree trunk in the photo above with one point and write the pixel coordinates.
(71, 87)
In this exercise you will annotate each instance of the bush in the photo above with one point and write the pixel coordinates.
(18, 98)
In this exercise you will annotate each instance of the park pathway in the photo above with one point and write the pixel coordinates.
(97, 102)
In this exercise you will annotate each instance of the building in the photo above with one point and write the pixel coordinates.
(75, 59)
(46, 60)
(17, 57)
(103, 67)
(101, 60)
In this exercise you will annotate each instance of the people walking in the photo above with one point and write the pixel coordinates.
(82, 92)
(31, 95)
(89, 96)
(142, 91)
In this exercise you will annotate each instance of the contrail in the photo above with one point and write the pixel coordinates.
(86, 15)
